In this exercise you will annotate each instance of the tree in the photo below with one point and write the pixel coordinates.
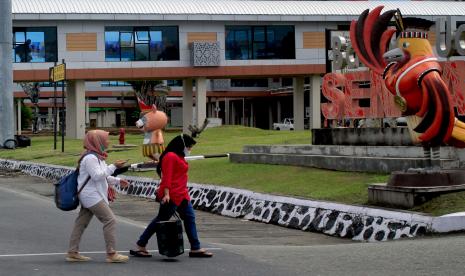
(32, 89)
(151, 92)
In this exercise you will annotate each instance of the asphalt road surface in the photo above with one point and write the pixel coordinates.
(34, 238)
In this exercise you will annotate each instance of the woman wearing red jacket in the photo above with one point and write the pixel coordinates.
(174, 196)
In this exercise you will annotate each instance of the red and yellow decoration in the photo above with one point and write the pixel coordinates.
(411, 73)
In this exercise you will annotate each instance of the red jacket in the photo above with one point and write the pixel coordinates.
(174, 177)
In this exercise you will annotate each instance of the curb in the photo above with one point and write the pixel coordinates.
(335, 219)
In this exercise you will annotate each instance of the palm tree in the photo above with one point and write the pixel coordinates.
(151, 92)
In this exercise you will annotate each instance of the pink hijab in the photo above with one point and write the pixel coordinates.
(95, 142)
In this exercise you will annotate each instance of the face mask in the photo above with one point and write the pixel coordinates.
(186, 152)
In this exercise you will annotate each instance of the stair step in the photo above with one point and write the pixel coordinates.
(340, 163)
(361, 151)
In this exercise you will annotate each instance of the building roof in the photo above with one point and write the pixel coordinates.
(217, 9)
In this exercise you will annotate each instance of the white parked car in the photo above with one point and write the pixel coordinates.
(287, 124)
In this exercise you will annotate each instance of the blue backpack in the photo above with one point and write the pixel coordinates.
(66, 192)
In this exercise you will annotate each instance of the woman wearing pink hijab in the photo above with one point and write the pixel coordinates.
(94, 196)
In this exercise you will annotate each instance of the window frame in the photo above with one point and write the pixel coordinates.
(135, 41)
(50, 36)
(256, 43)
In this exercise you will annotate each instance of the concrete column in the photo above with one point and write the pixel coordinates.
(106, 118)
(18, 117)
(298, 105)
(209, 110)
(59, 114)
(315, 102)
(252, 124)
(201, 100)
(187, 108)
(100, 118)
(50, 117)
(226, 112)
(278, 111)
(7, 123)
(75, 109)
(270, 117)
(233, 113)
(87, 113)
(243, 121)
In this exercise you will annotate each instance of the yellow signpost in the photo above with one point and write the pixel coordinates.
(58, 73)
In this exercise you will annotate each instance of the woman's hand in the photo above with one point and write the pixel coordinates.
(123, 183)
(165, 199)
(111, 194)
(120, 163)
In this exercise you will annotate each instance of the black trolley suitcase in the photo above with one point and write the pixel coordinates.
(169, 237)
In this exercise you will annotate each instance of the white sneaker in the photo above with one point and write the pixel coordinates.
(117, 258)
(76, 257)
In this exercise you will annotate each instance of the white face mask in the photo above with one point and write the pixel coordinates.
(186, 152)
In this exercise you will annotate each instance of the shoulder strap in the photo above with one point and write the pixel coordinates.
(83, 185)
(79, 165)
(82, 157)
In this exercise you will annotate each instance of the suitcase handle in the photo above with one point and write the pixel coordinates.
(176, 218)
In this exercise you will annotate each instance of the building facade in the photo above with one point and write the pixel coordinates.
(246, 62)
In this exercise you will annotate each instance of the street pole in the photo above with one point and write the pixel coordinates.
(55, 122)
(63, 111)
(7, 138)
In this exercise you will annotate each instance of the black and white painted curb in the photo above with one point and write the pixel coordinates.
(348, 221)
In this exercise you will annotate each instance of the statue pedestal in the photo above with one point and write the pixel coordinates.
(413, 187)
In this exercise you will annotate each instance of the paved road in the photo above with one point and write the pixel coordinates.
(34, 235)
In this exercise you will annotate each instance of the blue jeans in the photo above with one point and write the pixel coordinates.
(166, 211)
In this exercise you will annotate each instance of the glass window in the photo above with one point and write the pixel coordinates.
(170, 44)
(260, 42)
(141, 43)
(237, 42)
(114, 83)
(112, 49)
(127, 54)
(281, 42)
(37, 46)
(259, 34)
(249, 82)
(156, 43)
(142, 52)
(19, 37)
(126, 40)
(174, 82)
(287, 82)
(34, 44)
(142, 37)
(51, 84)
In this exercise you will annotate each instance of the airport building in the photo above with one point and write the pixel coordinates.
(243, 62)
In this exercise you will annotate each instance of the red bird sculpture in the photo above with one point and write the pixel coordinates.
(411, 72)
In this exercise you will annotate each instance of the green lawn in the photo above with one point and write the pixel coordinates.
(303, 182)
